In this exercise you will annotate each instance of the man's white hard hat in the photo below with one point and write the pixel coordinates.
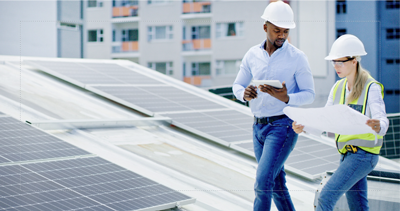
(346, 45)
(280, 14)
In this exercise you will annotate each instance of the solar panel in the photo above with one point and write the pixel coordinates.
(94, 73)
(229, 126)
(69, 183)
(106, 183)
(21, 142)
(189, 111)
(310, 158)
(159, 98)
(391, 141)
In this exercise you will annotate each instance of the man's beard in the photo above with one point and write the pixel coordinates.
(277, 46)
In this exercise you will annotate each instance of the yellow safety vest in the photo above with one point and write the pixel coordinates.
(364, 141)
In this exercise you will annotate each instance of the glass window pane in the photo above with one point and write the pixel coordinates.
(161, 32)
(231, 30)
(133, 35)
(205, 32)
(230, 67)
(161, 67)
(204, 68)
(92, 35)
(92, 3)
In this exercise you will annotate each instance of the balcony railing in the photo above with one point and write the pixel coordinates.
(126, 11)
(196, 44)
(197, 7)
(196, 80)
(121, 47)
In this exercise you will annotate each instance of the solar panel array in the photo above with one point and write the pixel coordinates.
(41, 172)
(309, 158)
(391, 141)
(187, 109)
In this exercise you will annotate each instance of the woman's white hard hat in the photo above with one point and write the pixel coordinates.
(346, 45)
(280, 14)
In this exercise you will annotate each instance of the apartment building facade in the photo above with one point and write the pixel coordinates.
(377, 24)
(199, 42)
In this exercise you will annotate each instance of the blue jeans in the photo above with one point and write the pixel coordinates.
(273, 143)
(349, 178)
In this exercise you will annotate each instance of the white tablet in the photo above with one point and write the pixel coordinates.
(274, 83)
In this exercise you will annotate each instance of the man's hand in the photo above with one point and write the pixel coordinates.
(280, 94)
(250, 93)
(297, 127)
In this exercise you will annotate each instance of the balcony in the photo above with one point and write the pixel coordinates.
(125, 49)
(125, 11)
(199, 80)
(196, 7)
(196, 44)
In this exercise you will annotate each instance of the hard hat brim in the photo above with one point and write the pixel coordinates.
(332, 57)
(282, 24)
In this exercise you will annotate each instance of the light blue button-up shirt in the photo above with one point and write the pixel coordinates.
(287, 64)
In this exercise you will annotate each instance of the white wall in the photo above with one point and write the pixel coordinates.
(28, 28)
(98, 18)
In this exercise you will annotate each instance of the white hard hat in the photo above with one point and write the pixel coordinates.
(346, 45)
(280, 14)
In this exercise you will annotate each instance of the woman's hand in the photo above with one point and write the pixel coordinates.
(297, 128)
(375, 124)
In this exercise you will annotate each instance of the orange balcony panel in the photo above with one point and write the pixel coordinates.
(197, 44)
(196, 80)
(187, 80)
(197, 7)
(186, 7)
(130, 46)
(125, 11)
(116, 12)
(135, 45)
(121, 11)
(201, 43)
(207, 43)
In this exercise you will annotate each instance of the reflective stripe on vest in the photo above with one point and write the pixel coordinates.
(364, 141)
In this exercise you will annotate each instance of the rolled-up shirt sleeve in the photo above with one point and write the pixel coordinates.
(305, 83)
(377, 107)
(242, 80)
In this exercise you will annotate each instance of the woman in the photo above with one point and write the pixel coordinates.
(359, 153)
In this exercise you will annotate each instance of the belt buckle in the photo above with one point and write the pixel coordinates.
(351, 148)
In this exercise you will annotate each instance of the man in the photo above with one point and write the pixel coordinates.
(273, 136)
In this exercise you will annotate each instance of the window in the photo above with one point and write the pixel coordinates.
(201, 32)
(130, 35)
(229, 30)
(340, 6)
(201, 68)
(393, 91)
(95, 35)
(392, 4)
(95, 3)
(340, 32)
(160, 33)
(393, 33)
(392, 61)
(162, 67)
(227, 67)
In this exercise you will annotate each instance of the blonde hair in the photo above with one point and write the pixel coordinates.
(361, 78)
